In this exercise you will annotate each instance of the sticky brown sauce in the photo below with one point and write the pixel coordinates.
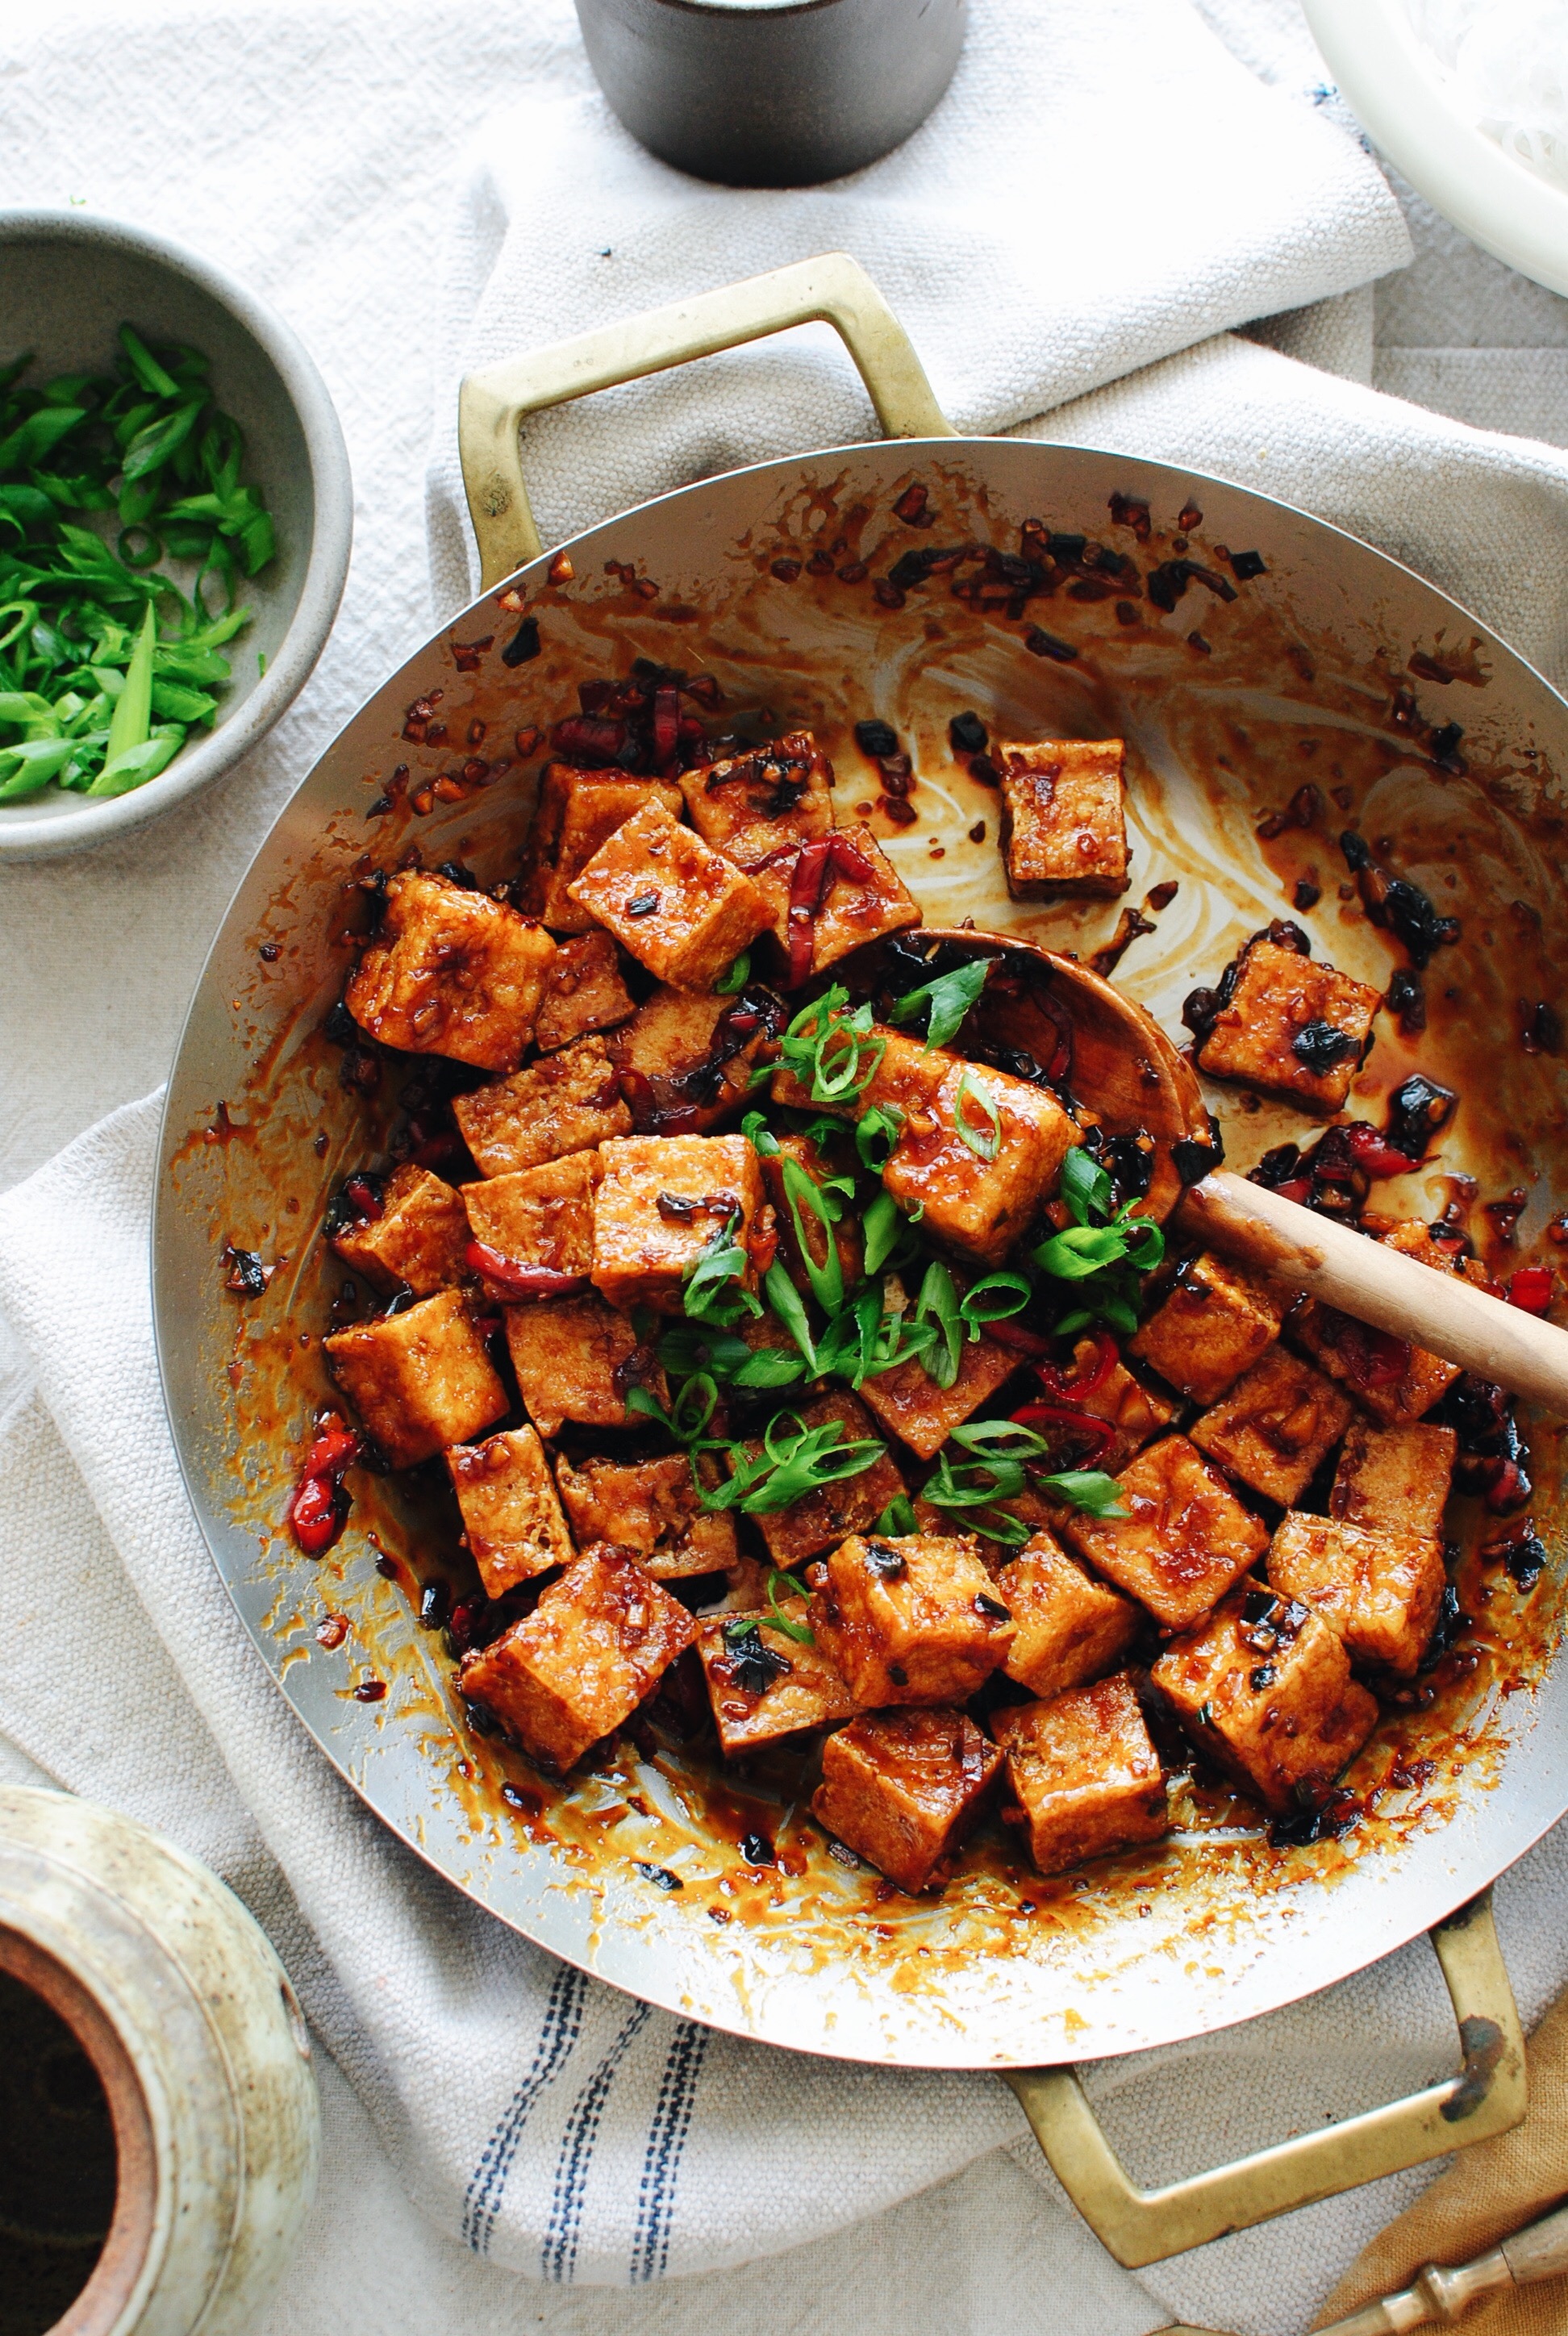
(1219, 738)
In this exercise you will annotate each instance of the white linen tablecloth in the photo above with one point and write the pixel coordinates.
(321, 152)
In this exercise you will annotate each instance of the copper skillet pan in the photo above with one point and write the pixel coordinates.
(1238, 681)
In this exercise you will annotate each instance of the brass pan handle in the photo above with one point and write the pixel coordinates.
(831, 289)
(1488, 2097)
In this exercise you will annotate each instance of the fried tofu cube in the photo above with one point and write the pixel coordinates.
(1394, 1479)
(1184, 1540)
(779, 791)
(512, 1517)
(678, 906)
(1396, 1382)
(838, 893)
(922, 1415)
(451, 972)
(663, 1201)
(568, 1103)
(418, 1240)
(1134, 1412)
(1070, 1627)
(901, 1788)
(576, 1358)
(797, 1163)
(420, 1380)
(539, 1216)
(1380, 1591)
(1215, 1324)
(650, 1507)
(1085, 1774)
(577, 812)
(1265, 1689)
(584, 992)
(696, 1063)
(763, 1683)
(1275, 1426)
(829, 1516)
(911, 1619)
(978, 1196)
(1292, 1027)
(600, 1639)
(1064, 827)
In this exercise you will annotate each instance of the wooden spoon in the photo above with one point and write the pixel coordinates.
(1126, 1070)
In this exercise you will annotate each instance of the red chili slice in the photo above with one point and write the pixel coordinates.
(589, 738)
(849, 861)
(319, 1509)
(515, 1280)
(1009, 1333)
(1062, 1415)
(1093, 1375)
(1530, 1289)
(808, 887)
(1375, 1155)
(364, 1199)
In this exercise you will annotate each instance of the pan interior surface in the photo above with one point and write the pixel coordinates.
(1267, 673)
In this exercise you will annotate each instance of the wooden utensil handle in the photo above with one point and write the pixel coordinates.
(1440, 1312)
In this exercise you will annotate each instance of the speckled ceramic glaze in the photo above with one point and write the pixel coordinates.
(196, 2035)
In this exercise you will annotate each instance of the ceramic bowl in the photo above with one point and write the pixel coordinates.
(67, 282)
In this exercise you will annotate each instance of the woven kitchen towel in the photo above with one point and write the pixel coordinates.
(550, 2122)
(1101, 185)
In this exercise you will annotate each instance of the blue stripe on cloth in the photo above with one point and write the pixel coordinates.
(558, 2035)
(558, 2255)
(665, 2140)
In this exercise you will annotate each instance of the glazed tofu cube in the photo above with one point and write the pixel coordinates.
(1380, 1591)
(1070, 1627)
(664, 1201)
(913, 1619)
(1265, 1689)
(419, 1380)
(451, 972)
(575, 1359)
(511, 1517)
(980, 1204)
(539, 1216)
(853, 1505)
(1135, 1412)
(577, 811)
(1085, 1774)
(418, 1240)
(924, 1415)
(697, 1062)
(826, 899)
(802, 1231)
(1216, 1323)
(1291, 1026)
(1394, 1479)
(1275, 1426)
(1064, 826)
(679, 907)
(763, 1683)
(650, 1507)
(779, 791)
(598, 1640)
(1184, 1540)
(569, 1102)
(1397, 1383)
(901, 1788)
(584, 992)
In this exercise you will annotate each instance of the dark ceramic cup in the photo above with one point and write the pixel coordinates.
(772, 92)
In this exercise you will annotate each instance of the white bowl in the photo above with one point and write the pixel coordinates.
(1403, 99)
(67, 282)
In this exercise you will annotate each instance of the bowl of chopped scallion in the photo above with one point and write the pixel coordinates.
(175, 518)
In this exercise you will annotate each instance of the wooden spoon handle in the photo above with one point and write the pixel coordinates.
(1440, 1312)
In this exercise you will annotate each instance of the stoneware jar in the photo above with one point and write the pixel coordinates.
(189, 2021)
(772, 92)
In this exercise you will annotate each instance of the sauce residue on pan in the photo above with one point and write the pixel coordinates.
(1253, 743)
